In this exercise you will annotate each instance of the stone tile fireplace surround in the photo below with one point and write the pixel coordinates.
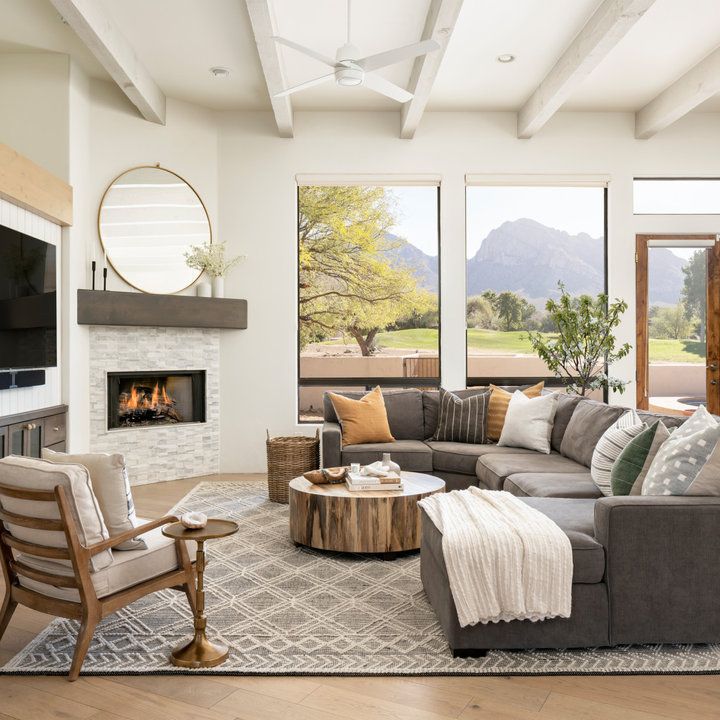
(162, 452)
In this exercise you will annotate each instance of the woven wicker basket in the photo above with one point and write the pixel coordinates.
(288, 458)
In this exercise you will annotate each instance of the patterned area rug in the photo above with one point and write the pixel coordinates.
(290, 611)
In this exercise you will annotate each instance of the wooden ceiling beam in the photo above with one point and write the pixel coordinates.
(439, 25)
(602, 32)
(697, 85)
(115, 54)
(264, 30)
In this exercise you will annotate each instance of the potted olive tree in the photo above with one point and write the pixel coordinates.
(583, 344)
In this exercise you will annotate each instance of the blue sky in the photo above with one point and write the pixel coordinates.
(572, 209)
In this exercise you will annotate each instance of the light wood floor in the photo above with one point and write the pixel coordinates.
(328, 698)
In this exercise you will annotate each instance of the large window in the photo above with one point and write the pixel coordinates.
(522, 242)
(368, 290)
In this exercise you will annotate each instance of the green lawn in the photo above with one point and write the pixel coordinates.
(496, 342)
(493, 341)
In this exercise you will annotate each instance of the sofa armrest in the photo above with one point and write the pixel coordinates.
(661, 567)
(331, 444)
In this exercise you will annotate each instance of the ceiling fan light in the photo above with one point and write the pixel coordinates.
(349, 76)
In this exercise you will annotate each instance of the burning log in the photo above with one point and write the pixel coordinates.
(144, 405)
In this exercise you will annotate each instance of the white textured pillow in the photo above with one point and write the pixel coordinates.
(612, 442)
(111, 485)
(529, 422)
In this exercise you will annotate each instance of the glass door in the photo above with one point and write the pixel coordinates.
(678, 327)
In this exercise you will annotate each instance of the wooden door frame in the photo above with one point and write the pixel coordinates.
(712, 331)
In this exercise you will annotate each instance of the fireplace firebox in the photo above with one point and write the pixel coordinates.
(146, 399)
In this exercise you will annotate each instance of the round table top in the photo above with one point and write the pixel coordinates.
(414, 483)
(215, 528)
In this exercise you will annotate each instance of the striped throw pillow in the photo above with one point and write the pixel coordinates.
(461, 420)
(612, 442)
(498, 407)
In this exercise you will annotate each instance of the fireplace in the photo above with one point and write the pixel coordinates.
(154, 398)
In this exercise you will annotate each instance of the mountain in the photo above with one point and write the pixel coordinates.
(422, 265)
(529, 258)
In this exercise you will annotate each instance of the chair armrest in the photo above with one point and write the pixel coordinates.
(130, 534)
(331, 444)
(662, 578)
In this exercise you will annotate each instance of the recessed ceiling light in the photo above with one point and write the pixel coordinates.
(219, 72)
(505, 58)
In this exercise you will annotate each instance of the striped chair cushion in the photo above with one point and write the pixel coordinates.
(462, 420)
(612, 442)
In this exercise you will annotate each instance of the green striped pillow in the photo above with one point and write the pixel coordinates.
(633, 463)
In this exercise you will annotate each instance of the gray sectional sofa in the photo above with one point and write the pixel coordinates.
(645, 568)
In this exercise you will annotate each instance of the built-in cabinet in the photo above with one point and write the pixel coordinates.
(28, 433)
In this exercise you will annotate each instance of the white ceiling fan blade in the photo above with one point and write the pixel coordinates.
(390, 57)
(385, 87)
(305, 85)
(306, 51)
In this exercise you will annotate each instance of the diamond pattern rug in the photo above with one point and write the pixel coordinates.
(285, 610)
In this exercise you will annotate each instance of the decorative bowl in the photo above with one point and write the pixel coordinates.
(194, 520)
(326, 475)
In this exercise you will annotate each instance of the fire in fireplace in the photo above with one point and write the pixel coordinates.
(141, 399)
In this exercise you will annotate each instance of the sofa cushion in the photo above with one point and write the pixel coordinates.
(576, 517)
(404, 411)
(111, 485)
(126, 570)
(587, 425)
(455, 457)
(565, 409)
(33, 474)
(364, 420)
(491, 470)
(461, 419)
(408, 454)
(431, 406)
(498, 407)
(669, 421)
(557, 485)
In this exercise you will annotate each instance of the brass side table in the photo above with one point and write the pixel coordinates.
(200, 652)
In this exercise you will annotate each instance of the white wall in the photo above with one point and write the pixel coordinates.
(34, 107)
(257, 217)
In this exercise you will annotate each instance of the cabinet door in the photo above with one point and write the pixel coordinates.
(25, 439)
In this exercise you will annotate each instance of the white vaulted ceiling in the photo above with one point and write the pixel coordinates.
(179, 40)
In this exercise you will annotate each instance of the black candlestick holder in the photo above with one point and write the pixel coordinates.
(105, 278)
(93, 265)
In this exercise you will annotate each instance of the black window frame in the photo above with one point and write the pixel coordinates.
(549, 380)
(363, 383)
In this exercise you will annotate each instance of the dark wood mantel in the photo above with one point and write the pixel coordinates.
(99, 307)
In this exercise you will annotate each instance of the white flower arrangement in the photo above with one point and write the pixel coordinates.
(210, 258)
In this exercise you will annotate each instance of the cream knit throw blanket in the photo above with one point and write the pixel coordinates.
(505, 560)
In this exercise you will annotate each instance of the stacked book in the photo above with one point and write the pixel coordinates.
(357, 482)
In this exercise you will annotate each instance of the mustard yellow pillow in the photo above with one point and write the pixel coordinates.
(498, 406)
(364, 420)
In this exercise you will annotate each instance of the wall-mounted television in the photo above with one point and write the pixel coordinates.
(28, 302)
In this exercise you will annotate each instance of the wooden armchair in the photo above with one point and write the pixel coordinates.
(58, 578)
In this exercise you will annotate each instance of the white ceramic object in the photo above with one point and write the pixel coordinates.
(389, 464)
(203, 289)
(218, 286)
(194, 520)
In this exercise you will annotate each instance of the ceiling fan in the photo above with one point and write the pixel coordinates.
(350, 69)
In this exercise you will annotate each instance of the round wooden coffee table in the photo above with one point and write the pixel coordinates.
(383, 522)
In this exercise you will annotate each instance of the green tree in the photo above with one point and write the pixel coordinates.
(694, 292)
(670, 323)
(584, 343)
(480, 313)
(509, 309)
(345, 281)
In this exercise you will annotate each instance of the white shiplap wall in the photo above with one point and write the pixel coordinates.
(33, 398)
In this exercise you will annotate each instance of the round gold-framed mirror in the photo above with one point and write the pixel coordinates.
(149, 218)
